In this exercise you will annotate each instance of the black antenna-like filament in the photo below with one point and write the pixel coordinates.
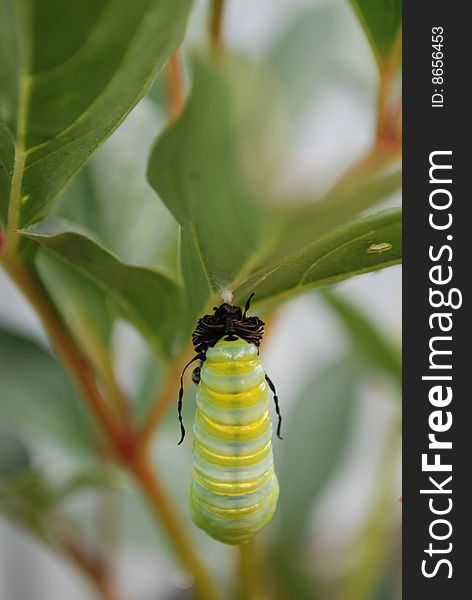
(248, 304)
(277, 408)
(181, 395)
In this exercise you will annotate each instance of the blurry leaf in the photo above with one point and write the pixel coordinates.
(14, 457)
(86, 309)
(68, 78)
(367, 339)
(389, 588)
(293, 579)
(299, 55)
(26, 497)
(195, 277)
(315, 438)
(381, 20)
(27, 500)
(304, 225)
(149, 299)
(96, 477)
(23, 493)
(78, 203)
(37, 398)
(111, 196)
(195, 171)
(82, 301)
(259, 124)
(363, 246)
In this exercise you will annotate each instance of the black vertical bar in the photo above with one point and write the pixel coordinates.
(429, 127)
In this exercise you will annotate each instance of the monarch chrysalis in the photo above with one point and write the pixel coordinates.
(234, 488)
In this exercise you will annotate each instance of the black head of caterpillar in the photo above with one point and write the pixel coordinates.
(229, 322)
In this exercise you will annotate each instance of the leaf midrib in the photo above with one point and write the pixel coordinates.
(24, 90)
(84, 114)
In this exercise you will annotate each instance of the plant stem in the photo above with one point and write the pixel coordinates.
(90, 563)
(387, 132)
(15, 195)
(92, 346)
(216, 25)
(175, 86)
(249, 578)
(161, 506)
(92, 566)
(80, 369)
(24, 89)
(114, 389)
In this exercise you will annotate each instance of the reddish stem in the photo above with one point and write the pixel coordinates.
(93, 566)
(78, 365)
(216, 25)
(175, 86)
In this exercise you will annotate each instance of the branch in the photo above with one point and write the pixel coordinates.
(250, 581)
(93, 566)
(162, 508)
(388, 135)
(216, 25)
(91, 563)
(32, 287)
(175, 86)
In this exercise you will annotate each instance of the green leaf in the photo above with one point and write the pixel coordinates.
(87, 310)
(23, 495)
(315, 438)
(381, 20)
(26, 497)
(367, 340)
(300, 227)
(293, 578)
(149, 299)
(112, 197)
(194, 168)
(15, 459)
(37, 398)
(69, 76)
(363, 246)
